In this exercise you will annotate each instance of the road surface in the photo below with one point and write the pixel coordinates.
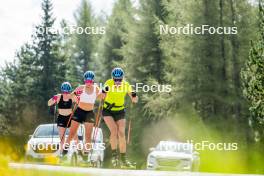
(112, 172)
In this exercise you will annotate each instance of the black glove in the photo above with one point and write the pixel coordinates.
(134, 94)
(106, 89)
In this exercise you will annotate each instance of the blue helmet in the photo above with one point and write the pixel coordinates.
(66, 87)
(117, 73)
(89, 75)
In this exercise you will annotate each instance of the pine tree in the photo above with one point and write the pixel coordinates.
(144, 42)
(50, 71)
(113, 40)
(34, 76)
(18, 90)
(143, 58)
(253, 80)
(83, 43)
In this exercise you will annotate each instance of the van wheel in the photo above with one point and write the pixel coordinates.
(74, 161)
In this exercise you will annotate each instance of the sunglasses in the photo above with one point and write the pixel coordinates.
(88, 81)
(118, 80)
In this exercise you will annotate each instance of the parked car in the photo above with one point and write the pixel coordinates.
(172, 155)
(43, 146)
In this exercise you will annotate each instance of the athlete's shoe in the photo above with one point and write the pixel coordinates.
(63, 157)
(115, 161)
(85, 160)
(85, 156)
(126, 164)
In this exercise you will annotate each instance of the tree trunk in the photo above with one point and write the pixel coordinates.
(236, 70)
(222, 45)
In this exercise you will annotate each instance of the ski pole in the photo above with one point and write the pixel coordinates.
(129, 131)
(54, 117)
(130, 121)
(97, 124)
(98, 118)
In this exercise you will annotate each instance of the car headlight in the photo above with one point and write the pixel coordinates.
(151, 159)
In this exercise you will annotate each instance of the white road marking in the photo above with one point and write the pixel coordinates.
(112, 172)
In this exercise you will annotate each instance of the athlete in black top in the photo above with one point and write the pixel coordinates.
(64, 101)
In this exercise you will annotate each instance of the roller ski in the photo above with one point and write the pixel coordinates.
(63, 159)
(85, 159)
(126, 164)
(115, 162)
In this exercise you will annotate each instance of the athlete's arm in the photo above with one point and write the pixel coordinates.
(99, 93)
(74, 97)
(78, 90)
(54, 99)
(76, 93)
(133, 96)
(105, 90)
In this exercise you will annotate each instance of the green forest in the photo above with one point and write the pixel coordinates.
(217, 80)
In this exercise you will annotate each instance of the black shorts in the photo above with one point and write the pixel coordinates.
(116, 115)
(82, 116)
(62, 121)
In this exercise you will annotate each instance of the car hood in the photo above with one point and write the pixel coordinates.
(170, 155)
(44, 140)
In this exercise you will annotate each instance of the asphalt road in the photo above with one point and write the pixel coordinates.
(112, 172)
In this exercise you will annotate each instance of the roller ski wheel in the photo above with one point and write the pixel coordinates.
(126, 164)
(62, 158)
(115, 162)
(85, 159)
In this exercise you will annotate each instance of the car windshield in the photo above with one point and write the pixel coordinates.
(175, 147)
(48, 131)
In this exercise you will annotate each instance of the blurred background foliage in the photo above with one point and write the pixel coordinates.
(217, 80)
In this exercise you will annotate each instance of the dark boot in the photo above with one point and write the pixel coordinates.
(125, 163)
(114, 160)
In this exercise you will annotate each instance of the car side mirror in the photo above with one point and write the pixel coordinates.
(151, 149)
(30, 136)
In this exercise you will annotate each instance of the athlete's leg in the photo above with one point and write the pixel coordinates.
(124, 162)
(113, 131)
(73, 130)
(88, 134)
(111, 124)
(121, 126)
(62, 136)
(76, 138)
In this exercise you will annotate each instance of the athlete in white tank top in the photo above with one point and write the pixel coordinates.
(88, 98)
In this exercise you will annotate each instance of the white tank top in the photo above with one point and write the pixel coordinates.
(88, 98)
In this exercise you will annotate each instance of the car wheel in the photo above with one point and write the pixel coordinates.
(74, 160)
